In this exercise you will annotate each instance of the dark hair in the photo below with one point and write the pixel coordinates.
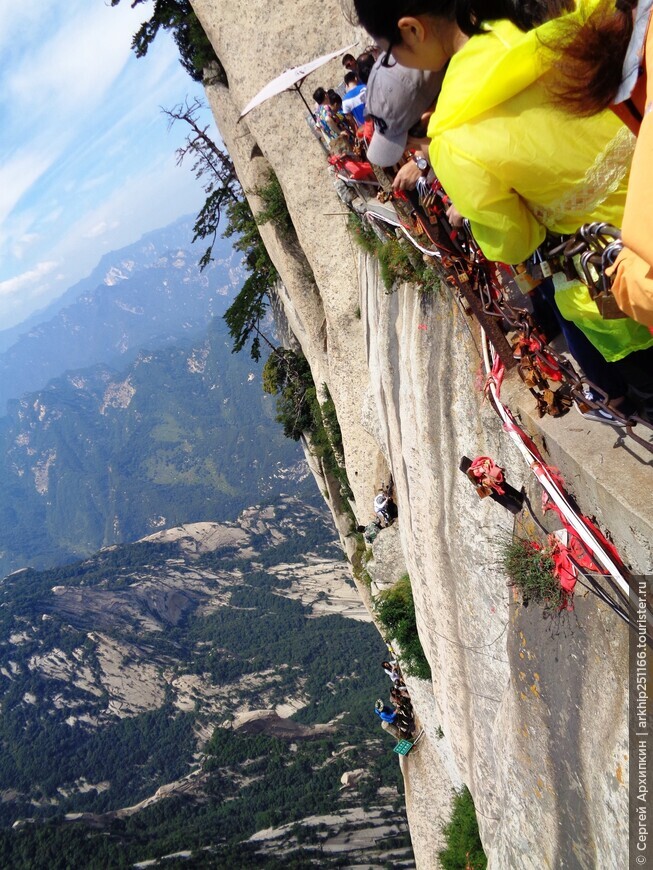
(319, 96)
(471, 14)
(364, 64)
(348, 58)
(350, 78)
(590, 56)
(380, 17)
(334, 98)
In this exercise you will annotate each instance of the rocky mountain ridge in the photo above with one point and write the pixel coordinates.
(148, 294)
(104, 456)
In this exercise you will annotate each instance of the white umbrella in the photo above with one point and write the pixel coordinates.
(291, 79)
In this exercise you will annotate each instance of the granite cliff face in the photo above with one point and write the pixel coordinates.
(533, 711)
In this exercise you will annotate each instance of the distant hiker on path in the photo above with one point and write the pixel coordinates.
(385, 508)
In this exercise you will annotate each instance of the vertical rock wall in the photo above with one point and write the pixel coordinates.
(403, 373)
(255, 43)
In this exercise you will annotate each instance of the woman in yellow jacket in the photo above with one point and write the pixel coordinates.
(590, 79)
(514, 165)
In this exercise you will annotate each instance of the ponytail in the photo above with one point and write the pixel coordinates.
(589, 60)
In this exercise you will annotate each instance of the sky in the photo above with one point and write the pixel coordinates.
(87, 162)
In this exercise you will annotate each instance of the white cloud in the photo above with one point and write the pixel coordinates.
(19, 19)
(52, 216)
(18, 174)
(86, 162)
(49, 92)
(99, 229)
(23, 243)
(77, 63)
(28, 280)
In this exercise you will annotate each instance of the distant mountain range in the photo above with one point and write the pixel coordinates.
(145, 295)
(99, 457)
(128, 411)
(204, 696)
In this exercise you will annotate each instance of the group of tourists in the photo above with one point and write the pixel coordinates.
(398, 717)
(340, 113)
(533, 118)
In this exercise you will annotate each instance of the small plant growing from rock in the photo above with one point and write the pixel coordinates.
(530, 567)
(363, 234)
(464, 850)
(396, 265)
(275, 208)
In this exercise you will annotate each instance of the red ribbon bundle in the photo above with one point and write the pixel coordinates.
(487, 473)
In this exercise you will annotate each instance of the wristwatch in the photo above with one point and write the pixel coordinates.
(421, 162)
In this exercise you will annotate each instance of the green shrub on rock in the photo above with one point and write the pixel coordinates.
(395, 610)
(464, 850)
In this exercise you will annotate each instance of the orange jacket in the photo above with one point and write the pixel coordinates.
(633, 270)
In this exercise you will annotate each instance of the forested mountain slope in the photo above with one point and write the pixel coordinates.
(183, 434)
(117, 671)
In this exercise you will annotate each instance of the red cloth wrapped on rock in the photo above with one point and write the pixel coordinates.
(487, 473)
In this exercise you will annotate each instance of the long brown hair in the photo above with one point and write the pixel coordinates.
(589, 59)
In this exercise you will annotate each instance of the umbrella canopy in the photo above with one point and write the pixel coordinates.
(291, 78)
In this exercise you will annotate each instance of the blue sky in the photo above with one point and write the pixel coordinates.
(87, 163)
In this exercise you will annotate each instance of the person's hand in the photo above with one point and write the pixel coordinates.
(454, 217)
(407, 177)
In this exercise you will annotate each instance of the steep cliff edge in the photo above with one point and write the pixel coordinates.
(533, 711)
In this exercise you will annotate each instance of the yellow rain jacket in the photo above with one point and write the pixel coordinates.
(515, 166)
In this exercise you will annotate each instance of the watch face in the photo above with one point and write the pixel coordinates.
(422, 163)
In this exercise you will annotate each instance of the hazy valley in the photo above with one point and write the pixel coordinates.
(181, 433)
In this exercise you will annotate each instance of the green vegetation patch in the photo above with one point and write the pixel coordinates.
(464, 850)
(249, 782)
(363, 234)
(395, 609)
(529, 565)
(398, 260)
(275, 207)
(287, 375)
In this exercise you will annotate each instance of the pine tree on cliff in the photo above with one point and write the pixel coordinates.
(213, 167)
(195, 51)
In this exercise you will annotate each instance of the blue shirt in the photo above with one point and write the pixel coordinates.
(385, 715)
(354, 103)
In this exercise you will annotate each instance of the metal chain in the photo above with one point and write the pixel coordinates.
(459, 263)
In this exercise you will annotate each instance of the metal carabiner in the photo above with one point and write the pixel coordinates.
(610, 253)
(587, 260)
